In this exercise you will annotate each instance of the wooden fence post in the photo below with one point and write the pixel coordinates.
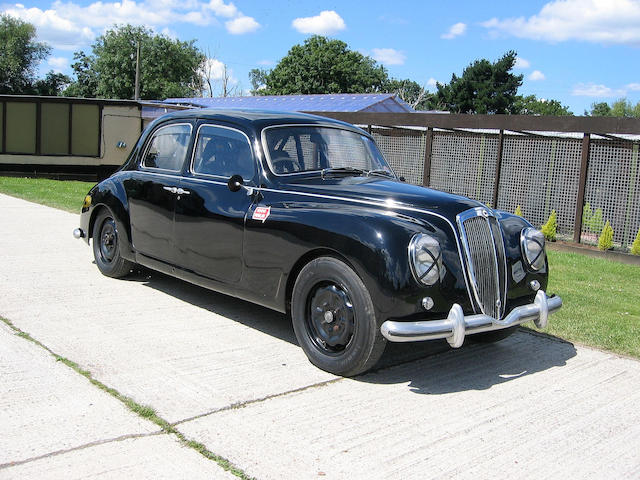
(496, 185)
(426, 173)
(584, 165)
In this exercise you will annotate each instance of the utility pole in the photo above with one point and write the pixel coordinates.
(136, 95)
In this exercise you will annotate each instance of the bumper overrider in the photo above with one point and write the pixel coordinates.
(456, 326)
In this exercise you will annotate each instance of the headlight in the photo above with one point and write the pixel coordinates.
(425, 258)
(532, 243)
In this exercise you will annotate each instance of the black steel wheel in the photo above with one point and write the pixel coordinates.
(334, 319)
(106, 247)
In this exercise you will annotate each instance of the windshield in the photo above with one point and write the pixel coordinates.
(324, 149)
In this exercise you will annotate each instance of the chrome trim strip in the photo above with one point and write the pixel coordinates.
(456, 326)
(355, 200)
(193, 150)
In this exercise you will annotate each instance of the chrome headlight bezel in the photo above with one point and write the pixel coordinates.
(532, 244)
(425, 259)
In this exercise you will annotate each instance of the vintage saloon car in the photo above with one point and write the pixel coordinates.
(303, 215)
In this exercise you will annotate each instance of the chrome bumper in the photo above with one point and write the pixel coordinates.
(456, 326)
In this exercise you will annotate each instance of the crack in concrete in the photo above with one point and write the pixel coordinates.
(81, 447)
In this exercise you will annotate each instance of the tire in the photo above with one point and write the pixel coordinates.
(334, 319)
(493, 336)
(106, 247)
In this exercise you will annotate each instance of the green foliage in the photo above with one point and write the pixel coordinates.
(531, 105)
(321, 65)
(52, 84)
(586, 217)
(635, 246)
(596, 224)
(605, 241)
(549, 229)
(19, 55)
(484, 87)
(518, 211)
(411, 92)
(620, 108)
(168, 68)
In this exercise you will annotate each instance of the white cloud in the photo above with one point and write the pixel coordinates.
(595, 90)
(521, 64)
(455, 30)
(432, 83)
(68, 25)
(598, 21)
(536, 75)
(389, 56)
(327, 22)
(634, 87)
(265, 63)
(58, 64)
(241, 25)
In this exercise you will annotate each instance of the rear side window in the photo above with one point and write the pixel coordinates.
(222, 152)
(168, 147)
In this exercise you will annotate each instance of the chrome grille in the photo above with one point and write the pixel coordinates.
(484, 249)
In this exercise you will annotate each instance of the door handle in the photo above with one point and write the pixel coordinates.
(180, 191)
(171, 189)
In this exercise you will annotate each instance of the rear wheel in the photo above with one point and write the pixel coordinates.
(334, 319)
(106, 247)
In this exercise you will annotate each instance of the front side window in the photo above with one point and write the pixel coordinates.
(222, 152)
(294, 149)
(168, 147)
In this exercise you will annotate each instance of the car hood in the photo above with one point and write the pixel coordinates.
(391, 193)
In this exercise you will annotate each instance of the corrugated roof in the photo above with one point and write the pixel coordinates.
(343, 102)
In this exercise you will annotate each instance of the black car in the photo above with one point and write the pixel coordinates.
(303, 215)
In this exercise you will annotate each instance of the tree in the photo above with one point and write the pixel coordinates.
(168, 68)
(258, 79)
(605, 241)
(411, 92)
(484, 87)
(532, 105)
(620, 108)
(51, 85)
(19, 55)
(550, 228)
(321, 65)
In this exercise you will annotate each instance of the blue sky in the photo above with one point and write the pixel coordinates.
(575, 51)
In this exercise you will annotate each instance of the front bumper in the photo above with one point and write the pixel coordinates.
(456, 326)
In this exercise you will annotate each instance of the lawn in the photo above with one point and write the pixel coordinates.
(65, 195)
(601, 302)
(601, 297)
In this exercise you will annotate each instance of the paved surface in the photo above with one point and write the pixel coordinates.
(230, 375)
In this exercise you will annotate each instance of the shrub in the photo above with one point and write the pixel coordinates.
(549, 229)
(635, 247)
(596, 224)
(587, 215)
(605, 242)
(518, 211)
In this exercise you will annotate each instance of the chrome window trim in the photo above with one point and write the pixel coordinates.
(195, 143)
(486, 213)
(142, 166)
(267, 154)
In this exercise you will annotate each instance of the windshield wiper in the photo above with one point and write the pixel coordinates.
(382, 172)
(342, 171)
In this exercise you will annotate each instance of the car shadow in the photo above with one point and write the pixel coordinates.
(427, 367)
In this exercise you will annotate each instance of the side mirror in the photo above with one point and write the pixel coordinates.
(235, 183)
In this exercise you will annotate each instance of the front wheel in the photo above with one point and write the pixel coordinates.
(106, 247)
(334, 319)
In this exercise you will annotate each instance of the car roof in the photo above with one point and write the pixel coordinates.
(256, 118)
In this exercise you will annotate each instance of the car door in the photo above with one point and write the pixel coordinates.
(209, 217)
(152, 191)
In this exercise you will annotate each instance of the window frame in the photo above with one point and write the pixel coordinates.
(214, 176)
(152, 136)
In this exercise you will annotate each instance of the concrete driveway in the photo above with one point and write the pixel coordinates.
(229, 375)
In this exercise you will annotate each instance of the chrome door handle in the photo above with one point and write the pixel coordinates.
(180, 191)
(171, 189)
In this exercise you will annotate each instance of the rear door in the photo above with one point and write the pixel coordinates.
(152, 191)
(210, 218)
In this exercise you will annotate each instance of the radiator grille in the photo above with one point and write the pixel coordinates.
(484, 248)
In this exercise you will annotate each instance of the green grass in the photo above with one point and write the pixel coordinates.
(601, 300)
(63, 194)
